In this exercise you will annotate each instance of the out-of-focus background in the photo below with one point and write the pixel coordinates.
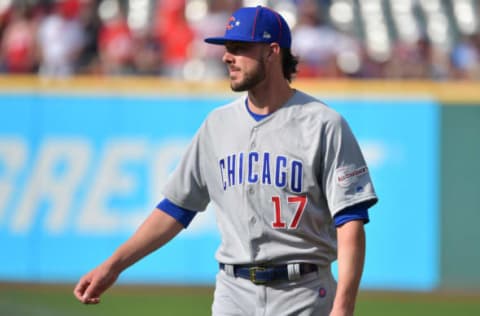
(98, 100)
(426, 39)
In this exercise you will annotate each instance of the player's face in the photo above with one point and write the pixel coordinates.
(246, 64)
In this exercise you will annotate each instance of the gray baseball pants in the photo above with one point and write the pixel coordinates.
(312, 294)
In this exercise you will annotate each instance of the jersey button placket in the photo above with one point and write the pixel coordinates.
(251, 189)
(255, 228)
(253, 138)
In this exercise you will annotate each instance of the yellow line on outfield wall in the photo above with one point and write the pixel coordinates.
(464, 92)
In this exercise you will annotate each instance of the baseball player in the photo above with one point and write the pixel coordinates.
(290, 183)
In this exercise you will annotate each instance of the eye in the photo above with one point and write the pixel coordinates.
(236, 48)
(231, 49)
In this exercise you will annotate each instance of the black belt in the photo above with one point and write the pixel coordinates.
(265, 274)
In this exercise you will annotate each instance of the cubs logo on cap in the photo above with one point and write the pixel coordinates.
(255, 25)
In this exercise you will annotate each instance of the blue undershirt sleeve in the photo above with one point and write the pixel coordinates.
(354, 213)
(182, 215)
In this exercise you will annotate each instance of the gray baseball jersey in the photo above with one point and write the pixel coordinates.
(276, 183)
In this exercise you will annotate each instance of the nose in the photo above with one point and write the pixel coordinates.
(227, 58)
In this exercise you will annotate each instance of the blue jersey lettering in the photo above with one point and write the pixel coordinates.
(280, 173)
(231, 170)
(296, 184)
(221, 162)
(252, 177)
(264, 168)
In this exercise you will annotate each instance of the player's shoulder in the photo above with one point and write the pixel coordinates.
(312, 106)
(229, 106)
(226, 111)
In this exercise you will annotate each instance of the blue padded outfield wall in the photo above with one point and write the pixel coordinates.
(78, 174)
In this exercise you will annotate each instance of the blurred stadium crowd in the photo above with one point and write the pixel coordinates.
(399, 39)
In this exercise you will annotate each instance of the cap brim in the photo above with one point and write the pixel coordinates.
(223, 40)
(216, 40)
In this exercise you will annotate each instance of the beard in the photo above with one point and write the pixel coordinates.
(250, 79)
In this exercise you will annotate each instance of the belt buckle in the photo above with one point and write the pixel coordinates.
(253, 275)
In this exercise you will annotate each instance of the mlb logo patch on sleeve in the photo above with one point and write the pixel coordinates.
(348, 175)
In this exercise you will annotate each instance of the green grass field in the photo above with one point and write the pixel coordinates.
(58, 300)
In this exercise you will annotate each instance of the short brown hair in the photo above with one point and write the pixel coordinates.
(289, 64)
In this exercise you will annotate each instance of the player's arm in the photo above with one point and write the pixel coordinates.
(159, 228)
(351, 257)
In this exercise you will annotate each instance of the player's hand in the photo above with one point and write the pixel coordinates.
(92, 285)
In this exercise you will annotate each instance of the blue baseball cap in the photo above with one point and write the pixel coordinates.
(255, 25)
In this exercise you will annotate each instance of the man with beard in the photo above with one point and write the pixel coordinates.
(289, 182)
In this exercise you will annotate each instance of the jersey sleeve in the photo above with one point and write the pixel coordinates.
(187, 185)
(345, 175)
(355, 213)
(183, 216)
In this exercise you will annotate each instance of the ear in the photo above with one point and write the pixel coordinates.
(274, 49)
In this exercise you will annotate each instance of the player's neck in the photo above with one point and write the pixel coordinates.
(266, 100)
